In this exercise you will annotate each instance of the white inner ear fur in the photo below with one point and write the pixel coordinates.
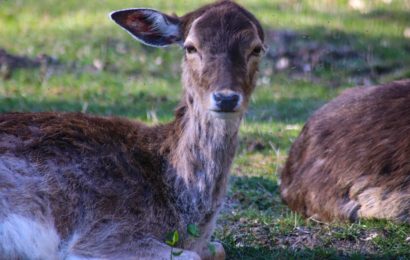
(160, 23)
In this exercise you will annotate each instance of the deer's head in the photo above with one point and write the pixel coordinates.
(223, 44)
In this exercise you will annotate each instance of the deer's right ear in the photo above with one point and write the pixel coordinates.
(149, 26)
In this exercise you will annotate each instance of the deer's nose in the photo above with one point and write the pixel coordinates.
(225, 102)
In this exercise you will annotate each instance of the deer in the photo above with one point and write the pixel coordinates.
(351, 160)
(80, 186)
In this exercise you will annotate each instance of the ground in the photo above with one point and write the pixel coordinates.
(68, 56)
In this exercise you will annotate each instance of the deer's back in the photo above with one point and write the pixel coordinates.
(76, 169)
(352, 158)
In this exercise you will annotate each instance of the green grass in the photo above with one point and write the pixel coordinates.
(101, 70)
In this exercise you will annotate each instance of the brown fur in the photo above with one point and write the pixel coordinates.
(352, 158)
(113, 188)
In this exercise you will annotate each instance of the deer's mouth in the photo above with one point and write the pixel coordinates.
(225, 115)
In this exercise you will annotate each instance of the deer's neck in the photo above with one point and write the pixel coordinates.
(203, 152)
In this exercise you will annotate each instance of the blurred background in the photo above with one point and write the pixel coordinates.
(68, 56)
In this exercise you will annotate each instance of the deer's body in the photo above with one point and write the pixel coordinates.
(80, 175)
(74, 186)
(352, 159)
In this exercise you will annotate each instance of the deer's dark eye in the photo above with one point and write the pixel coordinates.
(257, 51)
(190, 49)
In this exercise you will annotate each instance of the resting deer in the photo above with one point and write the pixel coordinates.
(352, 159)
(75, 186)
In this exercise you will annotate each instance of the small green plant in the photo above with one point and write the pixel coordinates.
(193, 230)
(172, 240)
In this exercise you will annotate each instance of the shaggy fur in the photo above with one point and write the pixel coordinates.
(352, 159)
(110, 188)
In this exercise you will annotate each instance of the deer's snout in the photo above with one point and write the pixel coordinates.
(225, 101)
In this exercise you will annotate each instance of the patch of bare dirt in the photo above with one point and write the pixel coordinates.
(310, 237)
(301, 56)
(254, 145)
(10, 62)
(46, 65)
(251, 232)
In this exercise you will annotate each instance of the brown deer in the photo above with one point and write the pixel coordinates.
(352, 158)
(76, 186)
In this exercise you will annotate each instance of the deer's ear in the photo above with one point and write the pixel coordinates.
(149, 26)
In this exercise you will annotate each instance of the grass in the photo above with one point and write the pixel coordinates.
(99, 69)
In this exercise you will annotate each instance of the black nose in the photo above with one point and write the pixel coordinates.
(226, 102)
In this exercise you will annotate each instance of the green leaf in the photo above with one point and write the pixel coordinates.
(212, 249)
(172, 238)
(193, 230)
(177, 253)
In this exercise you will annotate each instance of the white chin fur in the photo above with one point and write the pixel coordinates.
(225, 116)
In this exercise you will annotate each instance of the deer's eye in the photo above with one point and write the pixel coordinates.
(257, 51)
(190, 49)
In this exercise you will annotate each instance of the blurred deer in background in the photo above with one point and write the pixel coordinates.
(75, 186)
(352, 159)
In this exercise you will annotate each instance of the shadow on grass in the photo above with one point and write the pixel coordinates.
(257, 193)
(389, 15)
(267, 141)
(142, 107)
(334, 58)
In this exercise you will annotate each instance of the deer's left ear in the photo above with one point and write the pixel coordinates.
(149, 26)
